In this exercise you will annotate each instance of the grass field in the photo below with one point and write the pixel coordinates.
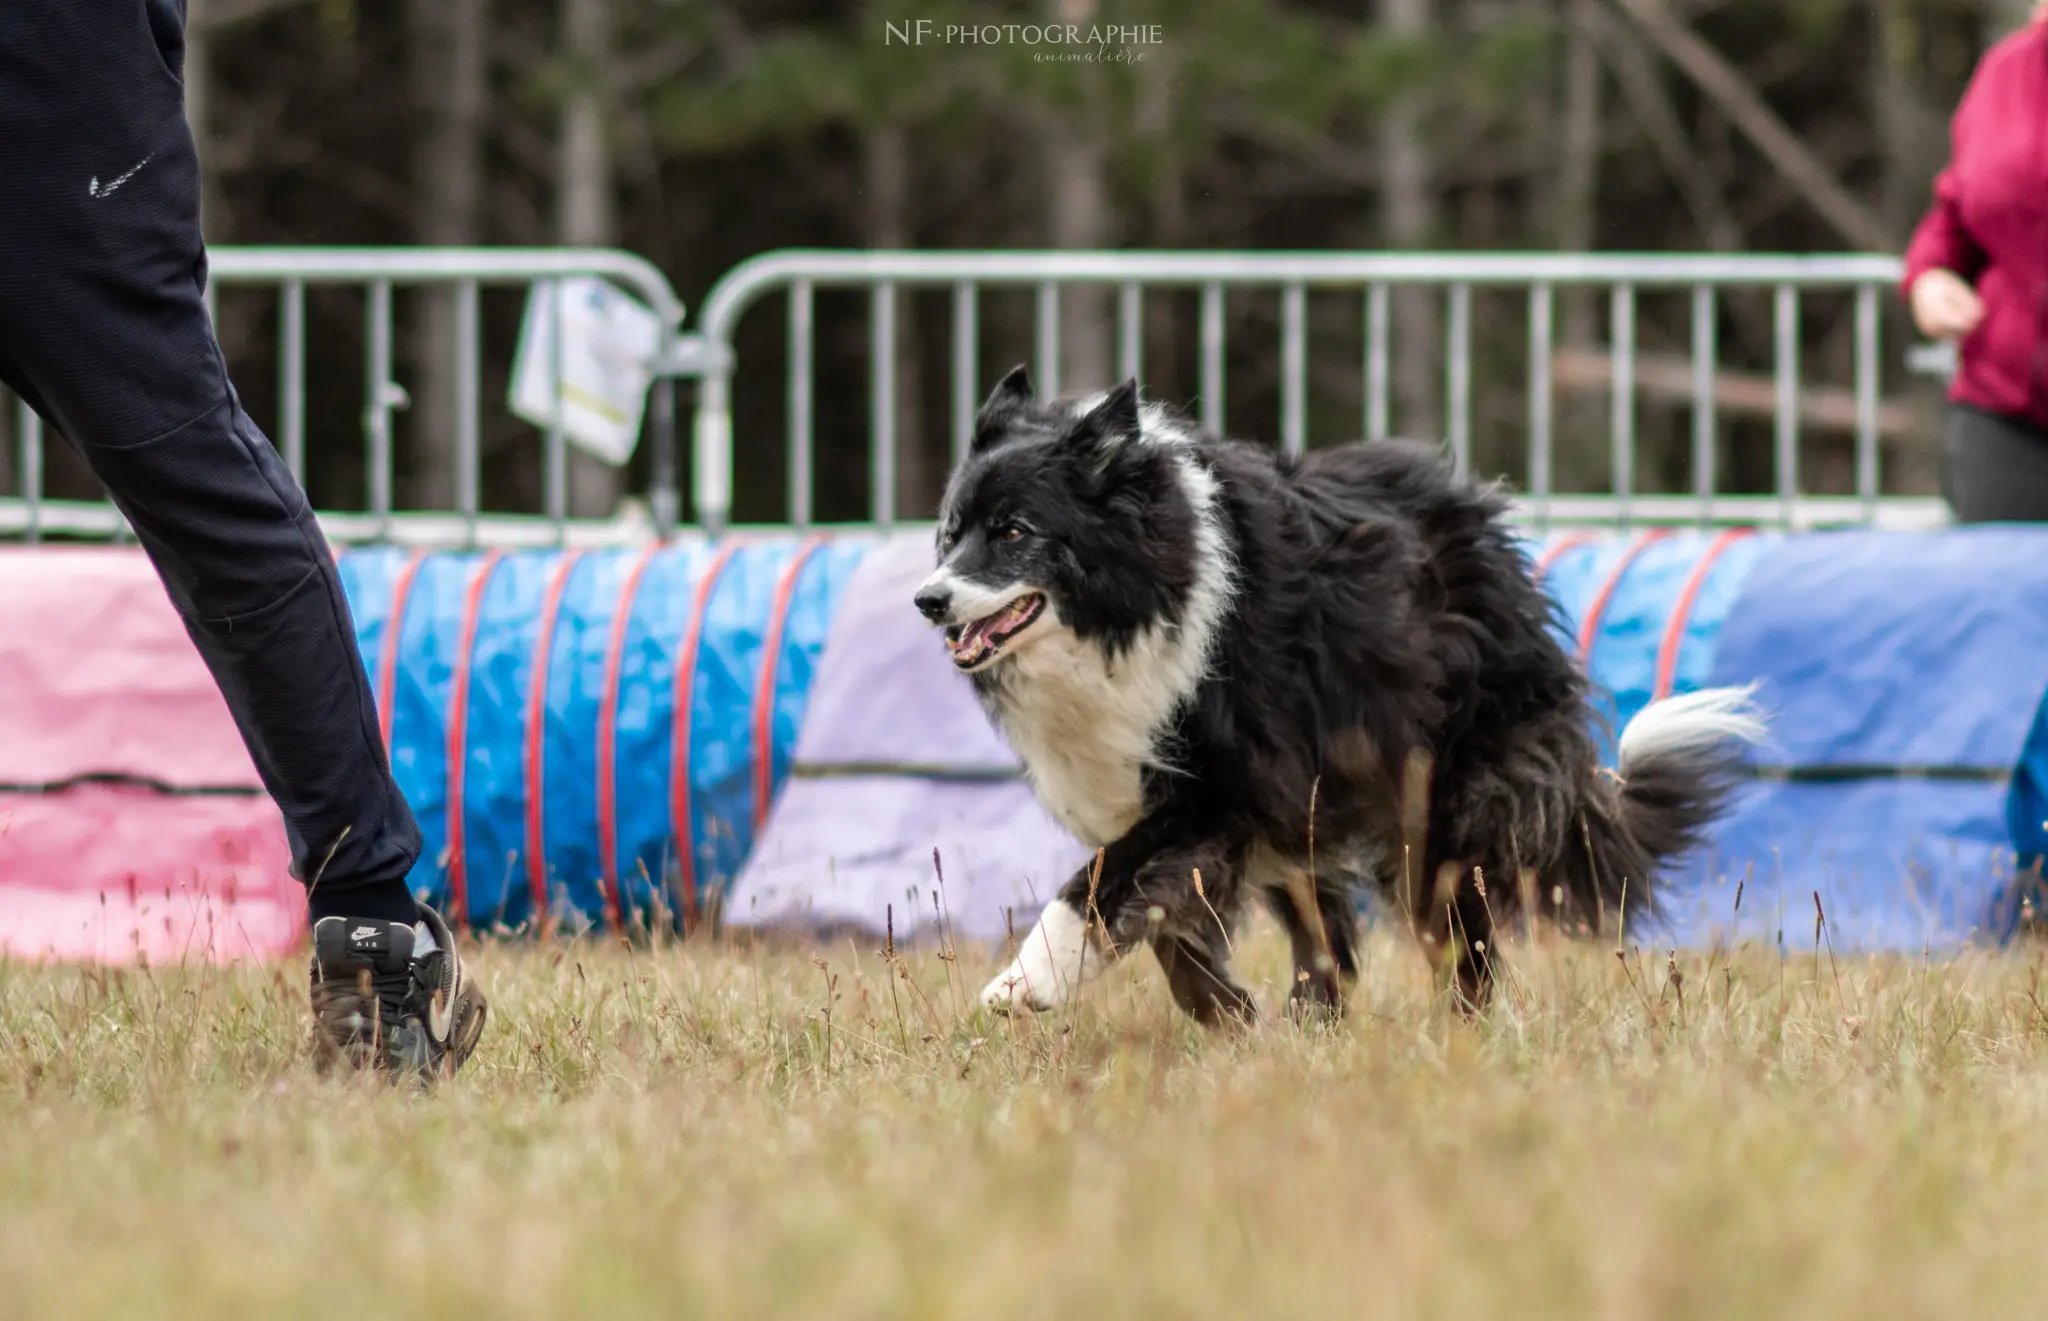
(710, 1130)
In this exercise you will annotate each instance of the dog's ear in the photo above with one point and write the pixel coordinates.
(1010, 394)
(1104, 445)
(1110, 423)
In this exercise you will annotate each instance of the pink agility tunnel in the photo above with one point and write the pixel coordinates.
(132, 824)
(530, 702)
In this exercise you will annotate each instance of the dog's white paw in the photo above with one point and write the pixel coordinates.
(1051, 964)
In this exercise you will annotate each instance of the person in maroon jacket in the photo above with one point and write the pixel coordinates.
(1977, 273)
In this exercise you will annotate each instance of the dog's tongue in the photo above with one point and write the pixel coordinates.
(1009, 614)
(975, 638)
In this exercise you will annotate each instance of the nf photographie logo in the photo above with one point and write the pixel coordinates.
(1105, 43)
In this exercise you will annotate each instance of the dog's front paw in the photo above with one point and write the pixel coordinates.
(1051, 964)
(1012, 990)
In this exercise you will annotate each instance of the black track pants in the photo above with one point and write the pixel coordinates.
(103, 332)
(1994, 467)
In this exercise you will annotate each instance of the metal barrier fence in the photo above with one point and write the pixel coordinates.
(709, 356)
(376, 272)
(799, 275)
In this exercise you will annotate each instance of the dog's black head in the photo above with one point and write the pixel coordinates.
(1066, 516)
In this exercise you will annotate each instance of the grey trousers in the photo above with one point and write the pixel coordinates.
(1994, 467)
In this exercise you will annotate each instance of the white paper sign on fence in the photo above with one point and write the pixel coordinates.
(609, 345)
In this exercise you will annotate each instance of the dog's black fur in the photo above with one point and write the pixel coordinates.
(1384, 656)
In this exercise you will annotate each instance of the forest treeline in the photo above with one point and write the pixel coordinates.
(700, 132)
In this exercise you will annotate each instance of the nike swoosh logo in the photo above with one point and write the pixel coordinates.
(94, 189)
(440, 1015)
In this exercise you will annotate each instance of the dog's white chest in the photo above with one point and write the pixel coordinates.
(1084, 779)
(1088, 727)
(1086, 732)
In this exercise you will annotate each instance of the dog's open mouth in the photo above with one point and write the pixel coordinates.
(976, 644)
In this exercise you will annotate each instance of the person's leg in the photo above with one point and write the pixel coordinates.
(1994, 468)
(104, 331)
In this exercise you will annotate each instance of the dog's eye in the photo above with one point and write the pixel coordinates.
(1009, 532)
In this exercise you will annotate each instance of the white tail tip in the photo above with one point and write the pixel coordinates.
(1693, 723)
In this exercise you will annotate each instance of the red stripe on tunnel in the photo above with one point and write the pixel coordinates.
(679, 749)
(534, 753)
(1681, 612)
(764, 691)
(1589, 627)
(387, 658)
(608, 738)
(458, 741)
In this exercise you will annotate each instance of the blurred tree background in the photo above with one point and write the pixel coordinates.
(701, 132)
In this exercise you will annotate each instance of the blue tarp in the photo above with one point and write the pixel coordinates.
(498, 805)
(1906, 779)
(1904, 674)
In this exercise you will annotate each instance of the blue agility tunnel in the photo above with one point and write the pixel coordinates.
(531, 704)
(1646, 611)
(1905, 674)
(1904, 789)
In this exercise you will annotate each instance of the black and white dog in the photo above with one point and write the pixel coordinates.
(1238, 675)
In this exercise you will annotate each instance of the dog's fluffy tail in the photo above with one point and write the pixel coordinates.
(1678, 763)
(1679, 760)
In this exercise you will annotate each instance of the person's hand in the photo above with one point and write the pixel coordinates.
(1944, 305)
